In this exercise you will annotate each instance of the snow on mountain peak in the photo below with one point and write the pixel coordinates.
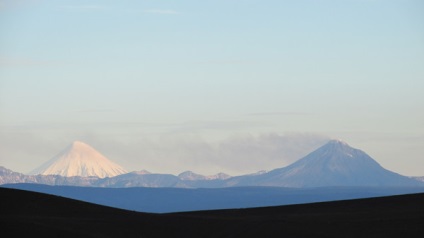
(190, 175)
(340, 147)
(79, 144)
(80, 159)
(141, 172)
(337, 142)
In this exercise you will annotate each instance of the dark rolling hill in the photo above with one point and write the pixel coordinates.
(25, 213)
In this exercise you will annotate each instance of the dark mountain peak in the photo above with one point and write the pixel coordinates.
(337, 142)
(336, 155)
(338, 149)
(338, 145)
(141, 172)
(5, 171)
(335, 164)
(190, 175)
(188, 172)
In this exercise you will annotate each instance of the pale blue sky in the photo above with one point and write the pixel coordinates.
(165, 76)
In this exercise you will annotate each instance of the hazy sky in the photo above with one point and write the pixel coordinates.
(235, 86)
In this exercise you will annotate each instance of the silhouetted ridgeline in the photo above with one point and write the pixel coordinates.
(25, 213)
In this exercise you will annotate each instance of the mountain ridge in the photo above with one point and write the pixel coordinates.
(333, 164)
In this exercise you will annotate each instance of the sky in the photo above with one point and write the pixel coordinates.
(233, 86)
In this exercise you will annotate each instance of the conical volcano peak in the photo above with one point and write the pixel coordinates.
(339, 146)
(80, 159)
(78, 143)
(333, 164)
(338, 142)
(78, 150)
(335, 153)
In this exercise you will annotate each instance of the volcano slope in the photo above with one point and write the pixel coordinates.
(25, 213)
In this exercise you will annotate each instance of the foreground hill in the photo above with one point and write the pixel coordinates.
(24, 213)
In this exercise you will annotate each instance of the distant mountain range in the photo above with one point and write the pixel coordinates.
(333, 164)
(163, 200)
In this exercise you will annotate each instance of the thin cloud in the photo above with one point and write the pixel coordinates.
(95, 110)
(8, 4)
(23, 149)
(198, 126)
(16, 62)
(84, 8)
(228, 62)
(279, 114)
(162, 11)
(235, 155)
(91, 8)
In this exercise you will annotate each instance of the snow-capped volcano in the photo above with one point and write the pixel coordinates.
(80, 159)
